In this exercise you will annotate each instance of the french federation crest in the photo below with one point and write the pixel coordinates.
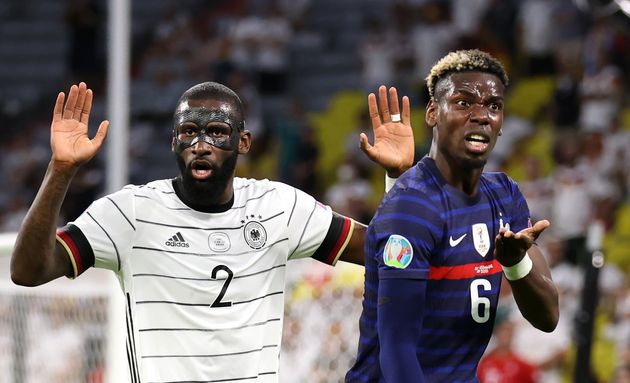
(255, 235)
(397, 252)
(481, 238)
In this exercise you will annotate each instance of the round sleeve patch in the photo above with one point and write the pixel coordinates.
(397, 252)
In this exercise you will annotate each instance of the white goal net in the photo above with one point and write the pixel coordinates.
(63, 332)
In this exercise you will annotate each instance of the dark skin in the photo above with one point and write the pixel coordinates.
(466, 116)
(37, 257)
(204, 155)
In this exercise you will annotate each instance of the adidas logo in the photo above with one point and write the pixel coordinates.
(177, 241)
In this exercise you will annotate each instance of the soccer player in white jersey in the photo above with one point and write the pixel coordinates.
(201, 258)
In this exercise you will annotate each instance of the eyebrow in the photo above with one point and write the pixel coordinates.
(471, 94)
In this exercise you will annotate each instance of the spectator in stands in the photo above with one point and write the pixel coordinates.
(86, 51)
(502, 364)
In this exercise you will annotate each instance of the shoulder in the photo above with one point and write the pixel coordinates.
(159, 190)
(411, 206)
(414, 192)
(164, 186)
(498, 181)
(255, 187)
(418, 179)
(281, 190)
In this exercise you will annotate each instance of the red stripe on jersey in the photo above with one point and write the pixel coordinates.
(345, 230)
(470, 270)
(73, 249)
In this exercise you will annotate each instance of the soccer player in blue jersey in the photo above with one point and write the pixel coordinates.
(444, 237)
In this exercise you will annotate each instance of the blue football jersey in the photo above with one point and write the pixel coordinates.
(426, 229)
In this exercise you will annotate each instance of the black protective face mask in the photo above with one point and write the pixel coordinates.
(191, 126)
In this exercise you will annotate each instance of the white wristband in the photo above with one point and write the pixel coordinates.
(520, 270)
(389, 182)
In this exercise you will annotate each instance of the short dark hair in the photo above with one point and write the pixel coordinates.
(465, 61)
(215, 91)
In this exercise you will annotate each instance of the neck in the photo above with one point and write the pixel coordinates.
(459, 176)
(198, 197)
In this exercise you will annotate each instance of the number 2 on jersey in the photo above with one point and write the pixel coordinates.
(217, 302)
(479, 306)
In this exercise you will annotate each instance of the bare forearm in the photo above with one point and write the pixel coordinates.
(537, 299)
(34, 261)
(354, 251)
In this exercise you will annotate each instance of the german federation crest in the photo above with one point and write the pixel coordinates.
(397, 252)
(255, 235)
(481, 238)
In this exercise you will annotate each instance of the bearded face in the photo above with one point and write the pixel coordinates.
(207, 137)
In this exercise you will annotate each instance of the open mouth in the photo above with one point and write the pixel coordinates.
(477, 143)
(201, 169)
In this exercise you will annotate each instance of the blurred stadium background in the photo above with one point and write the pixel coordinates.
(303, 68)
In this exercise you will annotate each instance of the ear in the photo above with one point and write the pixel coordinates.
(173, 144)
(430, 116)
(244, 142)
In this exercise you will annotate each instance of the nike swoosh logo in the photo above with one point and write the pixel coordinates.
(455, 242)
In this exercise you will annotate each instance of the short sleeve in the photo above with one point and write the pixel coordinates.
(103, 234)
(402, 239)
(313, 229)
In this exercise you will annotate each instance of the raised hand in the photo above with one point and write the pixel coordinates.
(69, 139)
(393, 147)
(510, 247)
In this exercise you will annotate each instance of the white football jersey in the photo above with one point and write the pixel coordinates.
(204, 291)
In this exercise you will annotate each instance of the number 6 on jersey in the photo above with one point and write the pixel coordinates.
(479, 306)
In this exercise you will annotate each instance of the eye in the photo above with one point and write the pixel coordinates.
(495, 106)
(462, 103)
(188, 131)
(219, 131)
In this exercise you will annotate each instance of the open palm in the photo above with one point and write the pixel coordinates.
(69, 139)
(510, 247)
(393, 147)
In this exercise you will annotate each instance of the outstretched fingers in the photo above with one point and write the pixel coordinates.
(387, 108)
(73, 95)
(406, 111)
(373, 111)
(539, 227)
(78, 108)
(384, 104)
(58, 110)
(366, 147)
(393, 104)
(87, 107)
(101, 133)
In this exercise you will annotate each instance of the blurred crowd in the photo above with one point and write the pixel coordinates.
(566, 133)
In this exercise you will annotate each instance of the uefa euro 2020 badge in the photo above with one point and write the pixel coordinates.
(397, 252)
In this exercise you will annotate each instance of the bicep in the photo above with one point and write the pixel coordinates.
(401, 308)
(400, 314)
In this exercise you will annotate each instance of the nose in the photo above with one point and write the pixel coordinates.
(479, 114)
(201, 147)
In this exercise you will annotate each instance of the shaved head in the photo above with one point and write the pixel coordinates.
(214, 91)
